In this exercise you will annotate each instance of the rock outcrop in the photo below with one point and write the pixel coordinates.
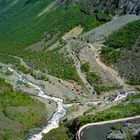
(128, 131)
(120, 7)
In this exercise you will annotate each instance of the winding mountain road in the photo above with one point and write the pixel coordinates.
(78, 67)
(89, 126)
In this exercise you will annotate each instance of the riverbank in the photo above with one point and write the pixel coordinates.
(18, 113)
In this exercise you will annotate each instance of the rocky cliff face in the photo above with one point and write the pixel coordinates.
(120, 7)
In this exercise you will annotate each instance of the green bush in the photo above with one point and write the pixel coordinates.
(110, 56)
(53, 63)
(133, 80)
(85, 67)
(60, 133)
(122, 39)
(4, 58)
(93, 78)
(23, 69)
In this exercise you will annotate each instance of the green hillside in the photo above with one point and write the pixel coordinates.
(5, 4)
(18, 113)
(123, 52)
(21, 26)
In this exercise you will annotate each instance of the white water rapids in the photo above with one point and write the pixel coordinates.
(61, 107)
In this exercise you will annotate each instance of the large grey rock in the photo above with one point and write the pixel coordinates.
(116, 135)
(132, 129)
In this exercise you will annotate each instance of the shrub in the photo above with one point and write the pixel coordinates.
(110, 56)
(85, 67)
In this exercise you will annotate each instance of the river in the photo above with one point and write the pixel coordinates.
(61, 107)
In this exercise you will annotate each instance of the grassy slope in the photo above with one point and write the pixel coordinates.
(122, 51)
(54, 64)
(20, 27)
(18, 113)
(68, 130)
(96, 80)
(4, 58)
(124, 38)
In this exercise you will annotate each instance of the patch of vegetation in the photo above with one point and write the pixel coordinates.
(23, 69)
(133, 97)
(128, 109)
(91, 109)
(130, 136)
(4, 4)
(125, 37)
(105, 88)
(20, 110)
(8, 72)
(95, 80)
(85, 67)
(134, 80)
(4, 58)
(39, 76)
(103, 17)
(30, 1)
(53, 63)
(110, 56)
(60, 133)
(92, 78)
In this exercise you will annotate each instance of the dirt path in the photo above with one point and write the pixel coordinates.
(78, 67)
